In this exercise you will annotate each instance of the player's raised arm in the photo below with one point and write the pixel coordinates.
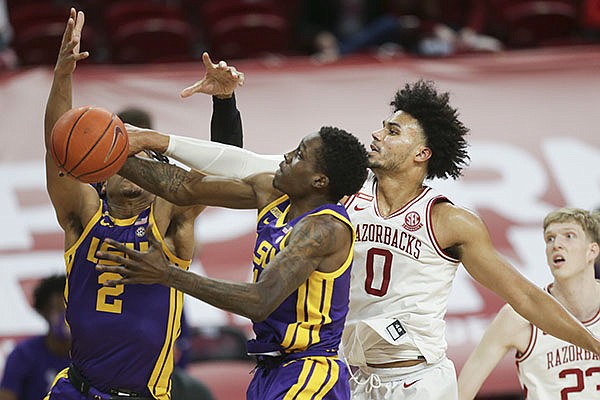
(220, 81)
(65, 193)
(186, 188)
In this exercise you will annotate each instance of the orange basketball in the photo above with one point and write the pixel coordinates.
(89, 143)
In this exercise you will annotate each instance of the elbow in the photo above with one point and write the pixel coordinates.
(263, 306)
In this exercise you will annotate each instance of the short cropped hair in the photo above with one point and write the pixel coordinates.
(589, 221)
(444, 133)
(54, 284)
(343, 158)
(137, 117)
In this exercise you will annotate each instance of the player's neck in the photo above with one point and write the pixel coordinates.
(300, 206)
(580, 295)
(393, 192)
(127, 208)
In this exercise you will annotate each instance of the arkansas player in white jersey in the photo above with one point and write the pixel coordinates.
(403, 282)
(550, 368)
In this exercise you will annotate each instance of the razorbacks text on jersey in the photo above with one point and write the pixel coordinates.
(552, 369)
(123, 336)
(401, 281)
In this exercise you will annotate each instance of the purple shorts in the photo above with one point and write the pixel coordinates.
(304, 378)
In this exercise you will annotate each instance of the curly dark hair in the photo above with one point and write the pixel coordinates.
(54, 284)
(343, 158)
(444, 133)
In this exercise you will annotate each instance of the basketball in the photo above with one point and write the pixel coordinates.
(89, 144)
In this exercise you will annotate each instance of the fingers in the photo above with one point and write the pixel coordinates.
(79, 21)
(117, 258)
(190, 90)
(207, 61)
(239, 75)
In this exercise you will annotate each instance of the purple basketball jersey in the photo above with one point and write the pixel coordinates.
(122, 336)
(308, 325)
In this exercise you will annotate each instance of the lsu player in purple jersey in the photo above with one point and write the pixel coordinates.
(549, 368)
(410, 242)
(122, 337)
(298, 300)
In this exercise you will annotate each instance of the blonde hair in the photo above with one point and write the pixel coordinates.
(589, 221)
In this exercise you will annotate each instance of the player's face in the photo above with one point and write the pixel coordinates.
(119, 187)
(396, 144)
(297, 171)
(568, 249)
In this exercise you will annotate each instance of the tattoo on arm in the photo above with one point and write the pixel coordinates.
(240, 298)
(164, 180)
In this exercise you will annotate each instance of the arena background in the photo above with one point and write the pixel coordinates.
(535, 145)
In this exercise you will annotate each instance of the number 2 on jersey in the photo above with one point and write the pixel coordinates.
(106, 301)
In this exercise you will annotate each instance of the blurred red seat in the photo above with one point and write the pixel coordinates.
(249, 35)
(25, 15)
(215, 10)
(122, 12)
(152, 40)
(536, 23)
(39, 44)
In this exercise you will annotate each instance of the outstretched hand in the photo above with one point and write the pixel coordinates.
(69, 48)
(220, 79)
(136, 267)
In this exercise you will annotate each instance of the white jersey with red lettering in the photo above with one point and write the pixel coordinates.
(552, 369)
(401, 281)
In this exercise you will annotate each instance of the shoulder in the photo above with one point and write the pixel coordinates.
(515, 329)
(453, 224)
(27, 350)
(326, 231)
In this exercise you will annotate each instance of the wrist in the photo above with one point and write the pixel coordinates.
(224, 96)
(157, 141)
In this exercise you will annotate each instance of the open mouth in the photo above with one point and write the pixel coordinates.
(558, 260)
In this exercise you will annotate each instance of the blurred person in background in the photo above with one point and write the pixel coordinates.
(549, 368)
(33, 363)
(8, 58)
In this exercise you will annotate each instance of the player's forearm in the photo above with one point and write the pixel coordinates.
(240, 298)
(165, 180)
(60, 100)
(219, 159)
(549, 315)
(226, 122)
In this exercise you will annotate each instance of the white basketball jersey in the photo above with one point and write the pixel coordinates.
(401, 280)
(552, 369)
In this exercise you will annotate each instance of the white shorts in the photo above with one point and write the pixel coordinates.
(420, 382)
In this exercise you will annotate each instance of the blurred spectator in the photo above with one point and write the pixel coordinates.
(33, 364)
(334, 28)
(456, 26)
(8, 58)
(330, 29)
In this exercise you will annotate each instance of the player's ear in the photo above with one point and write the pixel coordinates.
(320, 181)
(424, 154)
